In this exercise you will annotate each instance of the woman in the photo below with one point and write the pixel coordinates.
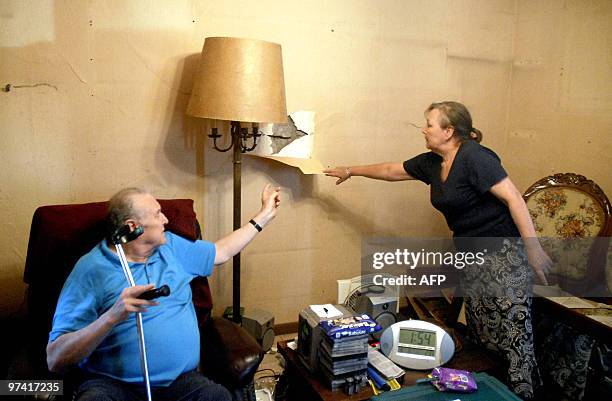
(478, 199)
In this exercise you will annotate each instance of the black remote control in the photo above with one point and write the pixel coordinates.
(162, 291)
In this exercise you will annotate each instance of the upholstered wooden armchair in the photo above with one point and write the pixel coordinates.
(573, 217)
(61, 234)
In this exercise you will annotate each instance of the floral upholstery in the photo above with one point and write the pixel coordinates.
(566, 213)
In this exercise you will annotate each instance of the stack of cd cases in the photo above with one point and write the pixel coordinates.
(344, 360)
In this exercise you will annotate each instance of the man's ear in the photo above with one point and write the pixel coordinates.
(132, 224)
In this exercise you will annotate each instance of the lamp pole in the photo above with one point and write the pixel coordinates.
(240, 138)
(237, 161)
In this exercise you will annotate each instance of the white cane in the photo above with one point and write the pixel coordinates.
(118, 238)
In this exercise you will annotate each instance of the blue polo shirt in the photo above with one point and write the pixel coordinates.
(170, 329)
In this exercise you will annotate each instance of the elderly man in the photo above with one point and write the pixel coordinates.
(94, 323)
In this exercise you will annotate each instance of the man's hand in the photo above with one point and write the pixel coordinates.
(270, 200)
(70, 348)
(230, 245)
(128, 302)
(539, 262)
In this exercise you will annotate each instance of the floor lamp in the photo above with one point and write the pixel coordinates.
(239, 80)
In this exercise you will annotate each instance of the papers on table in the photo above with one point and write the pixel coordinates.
(556, 294)
(326, 311)
(384, 365)
(607, 320)
(563, 298)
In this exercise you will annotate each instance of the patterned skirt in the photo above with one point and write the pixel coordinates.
(498, 312)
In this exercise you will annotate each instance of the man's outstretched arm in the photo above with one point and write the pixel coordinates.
(233, 243)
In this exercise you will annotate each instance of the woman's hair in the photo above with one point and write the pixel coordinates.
(121, 207)
(456, 115)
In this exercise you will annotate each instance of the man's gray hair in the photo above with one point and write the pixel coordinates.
(121, 207)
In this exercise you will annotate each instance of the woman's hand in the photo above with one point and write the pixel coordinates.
(539, 262)
(340, 172)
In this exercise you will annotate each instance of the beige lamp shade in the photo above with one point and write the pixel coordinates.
(239, 80)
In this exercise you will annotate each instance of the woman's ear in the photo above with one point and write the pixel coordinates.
(449, 132)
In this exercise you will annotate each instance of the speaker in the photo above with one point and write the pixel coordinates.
(376, 305)
(259, 324)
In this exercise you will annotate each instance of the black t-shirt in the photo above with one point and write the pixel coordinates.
(464, 198)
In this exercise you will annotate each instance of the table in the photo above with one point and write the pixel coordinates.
(587, 316)
(305, 386)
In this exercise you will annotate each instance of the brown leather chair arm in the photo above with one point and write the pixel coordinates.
(229, 354)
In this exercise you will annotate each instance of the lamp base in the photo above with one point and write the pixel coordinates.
(229, 312)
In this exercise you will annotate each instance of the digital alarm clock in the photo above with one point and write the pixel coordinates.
(415, 344)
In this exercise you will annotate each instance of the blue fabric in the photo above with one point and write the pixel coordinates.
(171, 329)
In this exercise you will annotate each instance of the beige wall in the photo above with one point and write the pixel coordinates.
(117, 75)
(560, 116)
